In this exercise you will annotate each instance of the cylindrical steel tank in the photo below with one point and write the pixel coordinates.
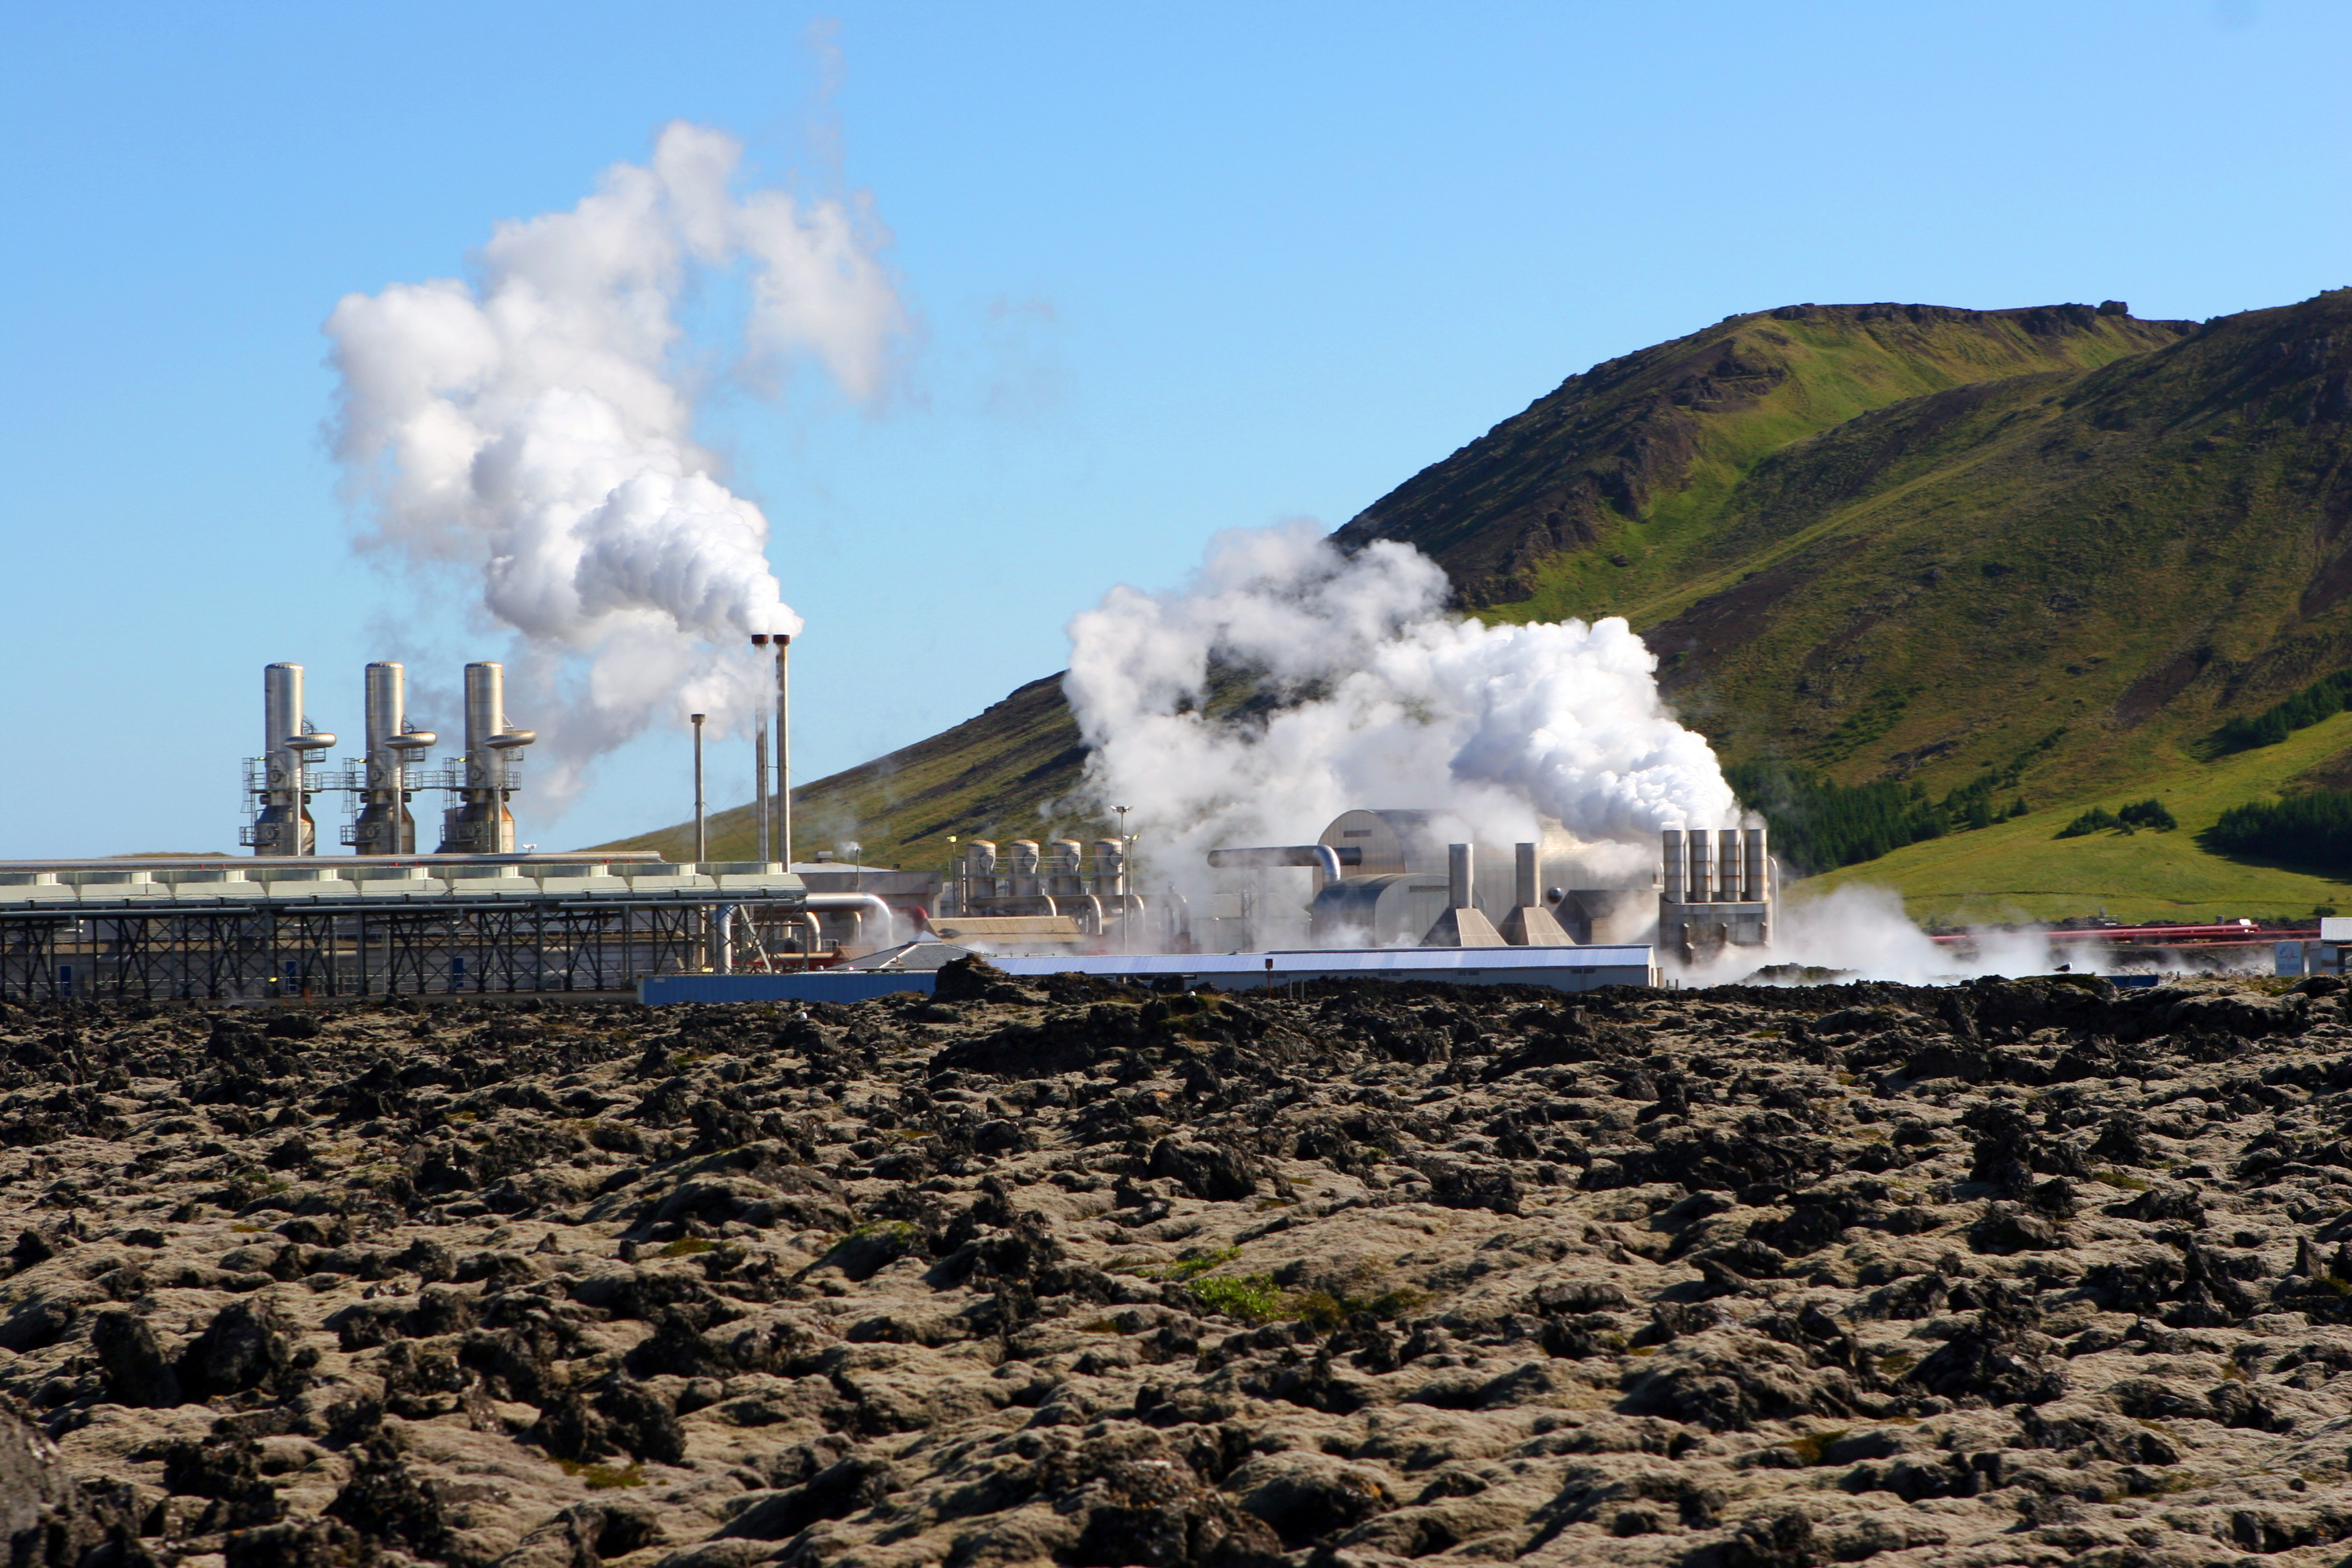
(1670, 844)
(1063, 859)
(1110, 868)
(1699, 877)
(1523, 876)
(1752, 876)
(1024, 856)
(1727, 865)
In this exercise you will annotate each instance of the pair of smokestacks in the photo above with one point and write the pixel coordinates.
(479, 824)
(1722, 867)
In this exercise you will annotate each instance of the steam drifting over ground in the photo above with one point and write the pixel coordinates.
(1369, 693)
(532, 430)
(1385, 700)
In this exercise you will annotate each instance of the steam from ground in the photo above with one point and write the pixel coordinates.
(532, 430)
(1380, 697)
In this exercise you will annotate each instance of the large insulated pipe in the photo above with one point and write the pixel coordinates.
(864, 905)
(1322, 857)
(1670, 844)
(1751, 883)
(1726, 873)
(1457, 875)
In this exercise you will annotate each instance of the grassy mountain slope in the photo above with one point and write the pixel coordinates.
(1881, 541)
(997, 774)
(2019, 870)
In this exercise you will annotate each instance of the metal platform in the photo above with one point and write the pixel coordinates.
(225, 930)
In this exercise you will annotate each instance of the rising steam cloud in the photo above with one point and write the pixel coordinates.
(1385, 700)
(532, 430)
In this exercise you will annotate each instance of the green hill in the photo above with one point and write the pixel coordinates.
(2056, 545)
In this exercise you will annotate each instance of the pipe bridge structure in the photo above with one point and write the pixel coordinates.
(204, 930)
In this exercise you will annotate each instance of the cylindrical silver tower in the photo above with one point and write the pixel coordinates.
(384, 825)
(1752, 880)
(1698, 881)
(1671, 844)
(1726, 862)
(480, 823)
(1523, 876)
(1459, 872)
(283, 825)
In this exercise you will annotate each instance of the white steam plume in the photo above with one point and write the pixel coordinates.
(1389, 701)
(531, 429)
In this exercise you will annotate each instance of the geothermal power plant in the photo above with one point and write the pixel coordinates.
(1392, 893)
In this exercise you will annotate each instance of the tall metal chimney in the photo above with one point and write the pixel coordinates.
(701, 831)
(385, 825)
(760, 768)
(480, 823)
(283, 826)
(1670, 844)
(1726, 875)
(1752, 882)
(785, 749)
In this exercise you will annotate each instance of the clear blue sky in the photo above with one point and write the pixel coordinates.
(1176, 268)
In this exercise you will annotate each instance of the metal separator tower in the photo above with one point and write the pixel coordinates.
(1716, 891)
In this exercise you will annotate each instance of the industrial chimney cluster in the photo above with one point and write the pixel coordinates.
(1716, 889)
(283, 779)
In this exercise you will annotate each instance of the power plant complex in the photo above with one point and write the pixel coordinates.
(1384, 893)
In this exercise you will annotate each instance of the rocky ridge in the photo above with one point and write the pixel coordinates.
(2018, 1272)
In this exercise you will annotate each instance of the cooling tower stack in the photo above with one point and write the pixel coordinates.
(481, 823)
(384, 825)
(1715, 890)
(283, 825)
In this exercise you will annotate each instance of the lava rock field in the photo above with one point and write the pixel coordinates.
(2008, 1272)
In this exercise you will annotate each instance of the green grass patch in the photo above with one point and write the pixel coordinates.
(1252, 1298)
(686, 1246)
(605, 1478)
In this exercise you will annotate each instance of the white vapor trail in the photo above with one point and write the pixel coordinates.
(532, 430)
(1386, 699)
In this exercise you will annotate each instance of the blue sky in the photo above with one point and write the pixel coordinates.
(1174, 269)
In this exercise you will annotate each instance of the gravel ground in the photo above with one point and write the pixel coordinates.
(2017, 1271)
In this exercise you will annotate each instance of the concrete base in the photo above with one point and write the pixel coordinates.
(1463, 928)
(1532, 925)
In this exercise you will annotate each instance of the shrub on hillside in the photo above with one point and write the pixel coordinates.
(2310, 831)
(2151, 815)
(2320, 699)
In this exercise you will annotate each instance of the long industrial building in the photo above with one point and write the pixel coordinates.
(476, 916)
